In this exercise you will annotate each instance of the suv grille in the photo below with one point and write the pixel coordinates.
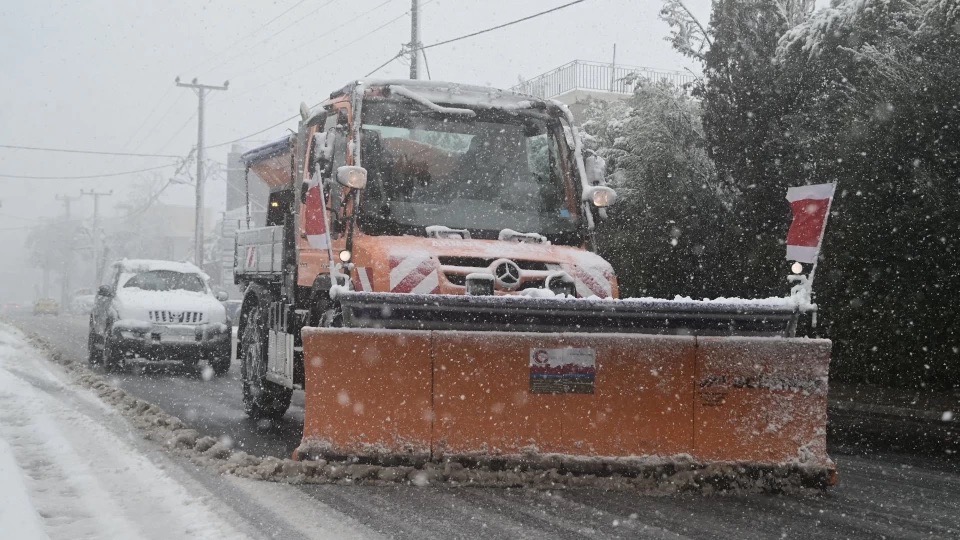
(176, 317)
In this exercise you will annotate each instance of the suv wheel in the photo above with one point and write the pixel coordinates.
(112, 356)
(94, 356)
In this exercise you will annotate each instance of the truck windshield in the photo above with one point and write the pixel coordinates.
(485, 173)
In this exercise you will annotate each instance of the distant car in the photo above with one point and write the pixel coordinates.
(159, 310)
(46, 306)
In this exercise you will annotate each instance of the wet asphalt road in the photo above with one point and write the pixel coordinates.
(881, 493)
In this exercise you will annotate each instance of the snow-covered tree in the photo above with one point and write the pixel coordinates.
(664, 234)
(875, 109)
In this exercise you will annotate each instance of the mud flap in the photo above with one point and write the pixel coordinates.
(619, 400)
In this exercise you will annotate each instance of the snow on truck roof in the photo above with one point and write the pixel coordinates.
(148, 265)
(447, 93)
(460, 94)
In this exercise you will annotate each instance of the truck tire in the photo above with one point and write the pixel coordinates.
(262, 399)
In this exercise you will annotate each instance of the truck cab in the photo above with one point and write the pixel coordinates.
(420, 188)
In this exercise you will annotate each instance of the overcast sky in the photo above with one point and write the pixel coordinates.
(99, 75)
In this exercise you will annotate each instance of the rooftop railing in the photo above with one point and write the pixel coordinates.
(598, 77)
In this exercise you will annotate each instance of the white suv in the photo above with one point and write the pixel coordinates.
(158, 310)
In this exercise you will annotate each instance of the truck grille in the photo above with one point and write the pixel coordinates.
(176, 317)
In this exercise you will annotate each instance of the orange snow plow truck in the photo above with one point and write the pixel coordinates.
(424, 274)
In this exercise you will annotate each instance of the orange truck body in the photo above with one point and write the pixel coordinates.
(543, 385)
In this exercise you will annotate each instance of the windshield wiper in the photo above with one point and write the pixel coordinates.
(407, 93)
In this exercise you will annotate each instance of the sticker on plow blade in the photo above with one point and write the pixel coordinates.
(562, 371)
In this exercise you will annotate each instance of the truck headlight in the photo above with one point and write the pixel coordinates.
(601, 196)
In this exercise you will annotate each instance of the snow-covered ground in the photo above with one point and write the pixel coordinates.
(70, 467)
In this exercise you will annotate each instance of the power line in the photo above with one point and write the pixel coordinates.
(147, 118)
(504, 25)
(245, 36)
(315, 60)
(179, 131)
(313, 39)
(330, 53)
(160, 118)
(385, 64)
(280, 123)
(94, 152)
(242, 50)
(85, 177)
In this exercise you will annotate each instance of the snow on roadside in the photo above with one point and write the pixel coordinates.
(65, 474)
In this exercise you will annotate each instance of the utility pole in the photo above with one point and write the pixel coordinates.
(67, 257)
(201, 90)
(415, 39)
(97, 247)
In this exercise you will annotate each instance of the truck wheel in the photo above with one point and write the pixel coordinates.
(93, 355)
(261, 398)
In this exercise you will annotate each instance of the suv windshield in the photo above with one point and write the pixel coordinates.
(487, 172)
(166, 280)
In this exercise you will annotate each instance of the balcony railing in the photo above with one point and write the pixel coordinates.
(597, 77)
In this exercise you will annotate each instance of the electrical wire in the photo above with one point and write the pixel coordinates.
(477, 33)
(239, 52)
(242, 38)
(179, 131)
(499, 26)
(85, 177)
(313, 39)
(164, 115)
(278, 124)
(94, 152)
(385, 64)
(330, 53)
(146, 119)
(426, 64)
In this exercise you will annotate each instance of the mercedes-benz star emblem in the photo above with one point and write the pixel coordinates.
(507, 273)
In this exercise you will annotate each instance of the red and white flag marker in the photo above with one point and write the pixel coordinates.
(811, 208)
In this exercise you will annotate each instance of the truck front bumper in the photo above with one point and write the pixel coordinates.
(169, 342)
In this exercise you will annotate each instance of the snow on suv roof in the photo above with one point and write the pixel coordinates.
(147, 265)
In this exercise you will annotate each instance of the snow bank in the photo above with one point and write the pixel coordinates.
(69, 470)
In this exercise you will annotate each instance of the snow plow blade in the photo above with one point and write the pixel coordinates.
(591, 403)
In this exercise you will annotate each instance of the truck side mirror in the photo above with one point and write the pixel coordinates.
(352, 176)
(105, 291)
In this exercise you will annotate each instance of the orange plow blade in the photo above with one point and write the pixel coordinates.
(582, 402)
